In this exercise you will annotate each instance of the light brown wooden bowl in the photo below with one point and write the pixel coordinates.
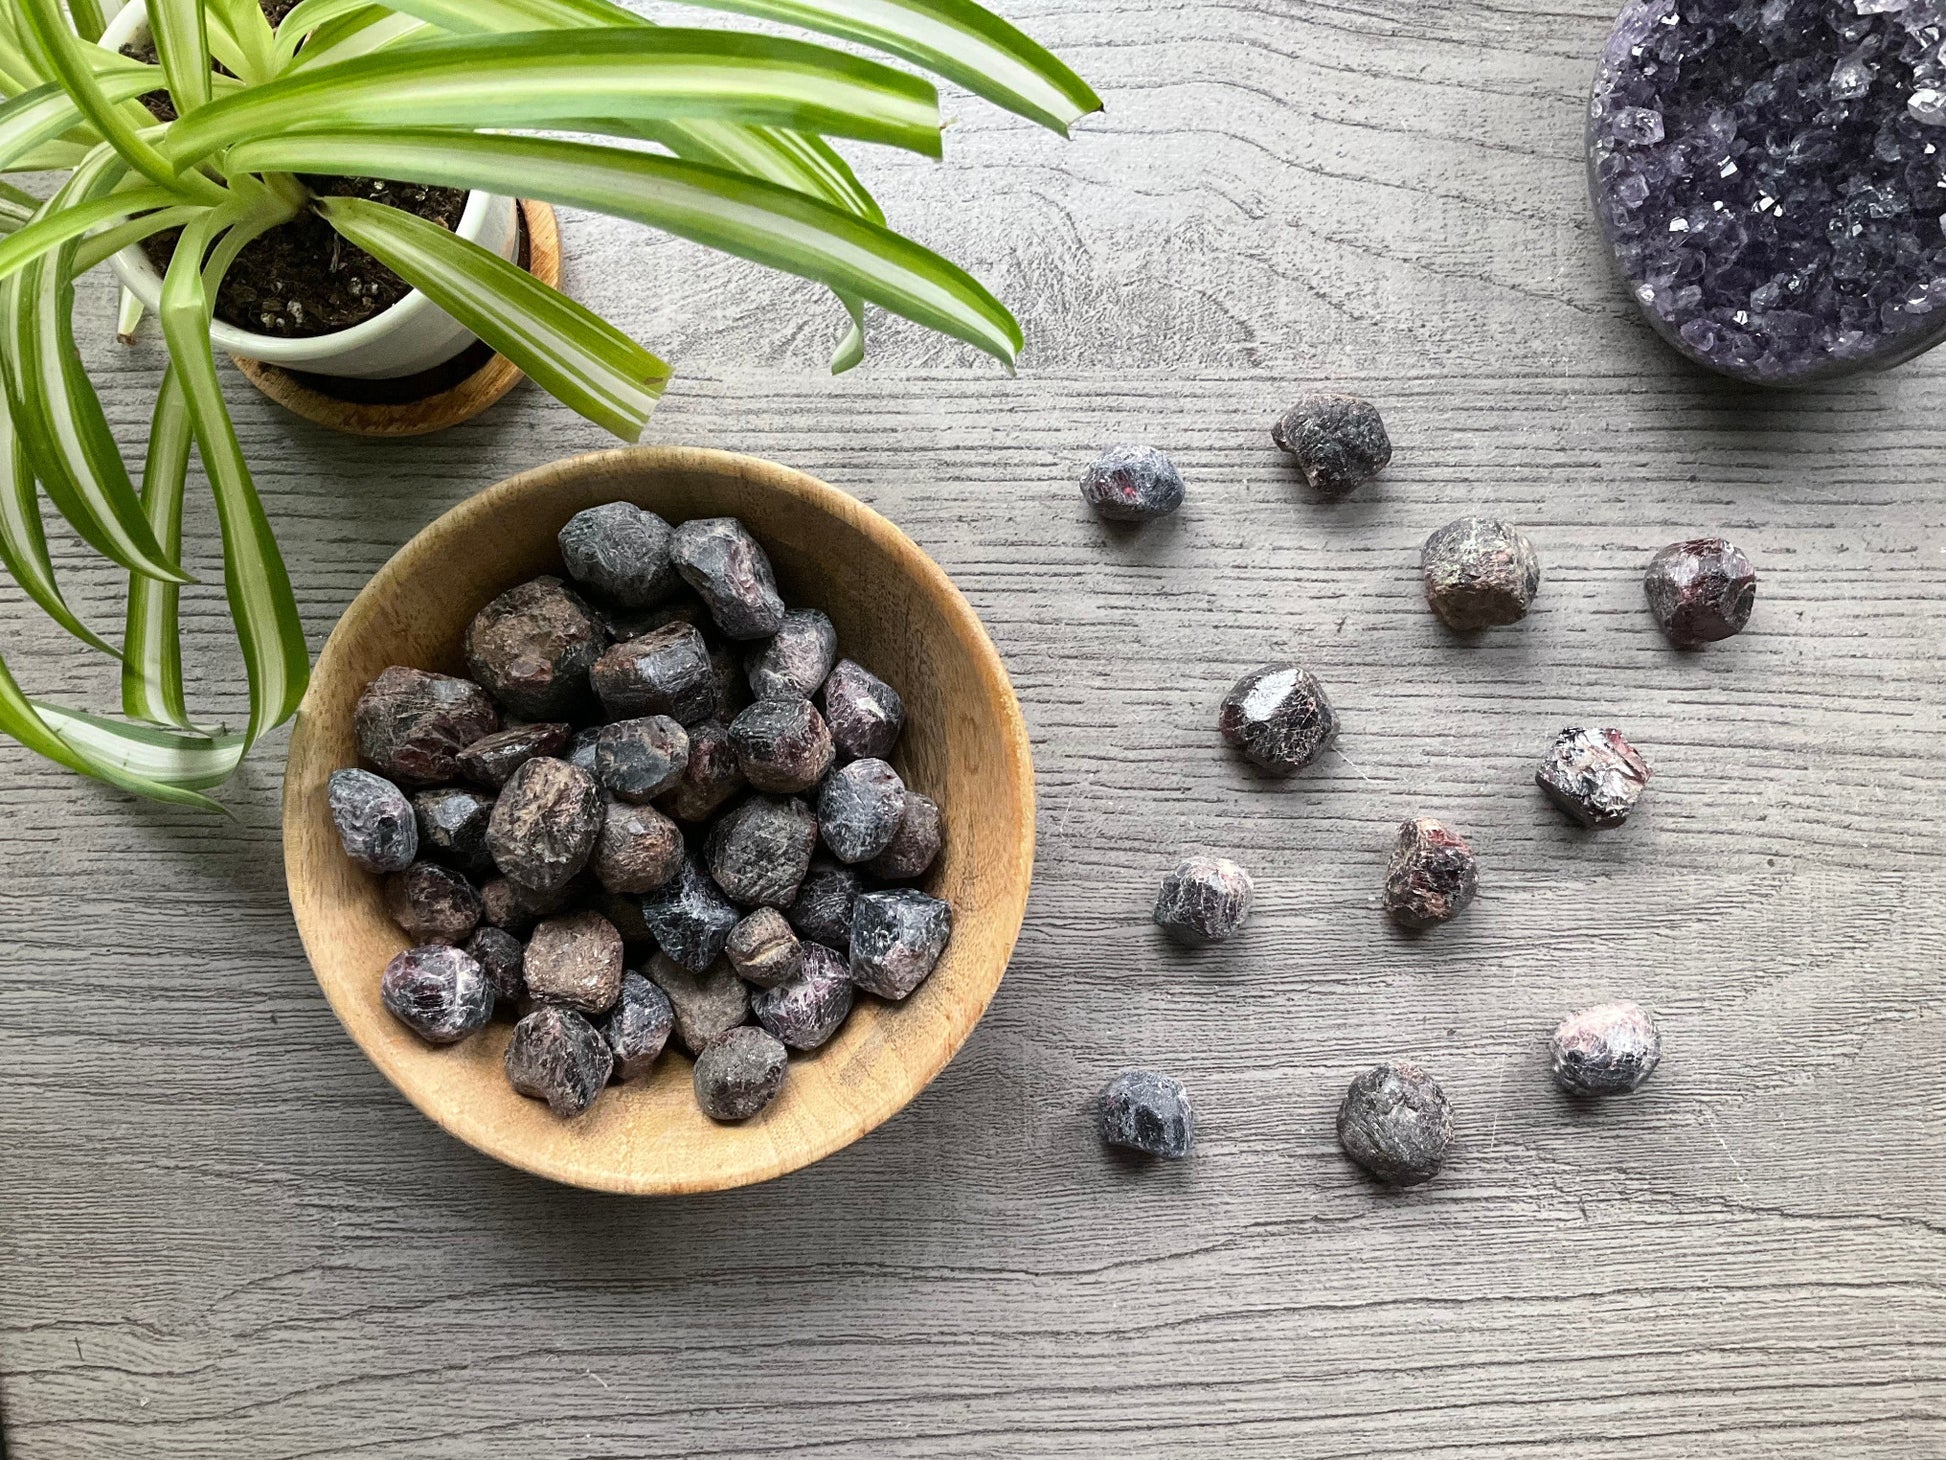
(964, 745)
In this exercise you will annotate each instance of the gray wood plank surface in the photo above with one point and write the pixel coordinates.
(222, 1234)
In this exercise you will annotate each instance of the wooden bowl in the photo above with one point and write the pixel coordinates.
(964, 745)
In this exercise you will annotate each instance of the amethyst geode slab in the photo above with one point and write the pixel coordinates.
(1768, 174)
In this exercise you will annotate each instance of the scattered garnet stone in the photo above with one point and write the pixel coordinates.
(806, 1010)
(438, 992)
(637, 760)
(783, 746)
(434, 904)
(666, 671)
(621, 551)
(739, 1073)
(1480, 573)
(1701, 591)
(1395, 1123)
(502, 958)
(1432, 874)
(412, 725)
(690, 917)
(637, 848)
(532, 648)
(731, 574)
(897, 936)
(1203, 900)
(705, 1003)
(864, 712)
(1147, 1112)
(915, 845)
(638, 1029)
(759, 852)
(795, 662)
(1607, 1050)
(1768, 177)
(374, 821)
(1593, 775)
(764, 949)
(1132, 484)
(1278, 717)
(860, 808)
(826, 902)
(544, 825)
(1338, 440)
(556, 1055)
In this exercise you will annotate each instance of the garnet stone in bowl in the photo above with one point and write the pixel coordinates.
(1768, 174)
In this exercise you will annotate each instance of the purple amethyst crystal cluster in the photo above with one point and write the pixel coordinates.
(1768, 173)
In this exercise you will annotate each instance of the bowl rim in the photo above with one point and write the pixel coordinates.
(308, 904)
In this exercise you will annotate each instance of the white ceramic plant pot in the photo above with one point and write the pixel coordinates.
(413, 335)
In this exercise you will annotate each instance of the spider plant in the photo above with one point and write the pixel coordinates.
(439, 92)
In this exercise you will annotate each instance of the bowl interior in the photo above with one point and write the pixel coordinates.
(964, 745)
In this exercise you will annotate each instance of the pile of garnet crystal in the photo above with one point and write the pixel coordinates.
(660, 807)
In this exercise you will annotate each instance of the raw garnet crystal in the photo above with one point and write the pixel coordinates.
(1204, 900)
(1396, 1123)
(1595, 776)
(1700, 591)
(1278, 717)
(1432, 874)
(1147, 1112)
(1607, 1050)
(1768, 174)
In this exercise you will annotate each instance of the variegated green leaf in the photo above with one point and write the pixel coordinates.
(262, 606)
(23, 540)
(572, 353)
(759, 221)
(628, 76)
(152, 639)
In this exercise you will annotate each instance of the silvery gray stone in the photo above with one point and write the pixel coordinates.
(864, 712)
(453, 823)
(532, 647)
(1203, 900)
(794, 663)
(437, 992)
(859, 809)
(705, 1004)
(739, 1074)
(374, 821)
(637, 760)
(1607, 1050)
(1132, 484)
(666, 671)
(544, 826)
(1147, 1112)
(897, 936)
(1480, 573)
(690, 916)
(622, 552)
(764, 950)
(1395, 1122)
(556, 1055)
(434, 904)
(1279, 717)
(915, 845)
(730, 572)
(782, 745)
(638, 1029)
(808, 1009)
(758, 853)
(1595, 776)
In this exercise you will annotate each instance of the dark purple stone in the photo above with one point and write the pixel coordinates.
(556, 1055)
(797, 660)
(438, 992)
(730, 572)
(490, 760)
(1700, 591)
(808, 1009)
(453, 825)
(374, 821)
(638, 1030)
(825, 903)
(1767, 173)
(1132, 484)
(864, 712)
(690, 917)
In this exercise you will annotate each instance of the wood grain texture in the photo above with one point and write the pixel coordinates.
(964, 745)
(223, 1235)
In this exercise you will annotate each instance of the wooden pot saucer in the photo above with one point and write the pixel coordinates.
(431, 400)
